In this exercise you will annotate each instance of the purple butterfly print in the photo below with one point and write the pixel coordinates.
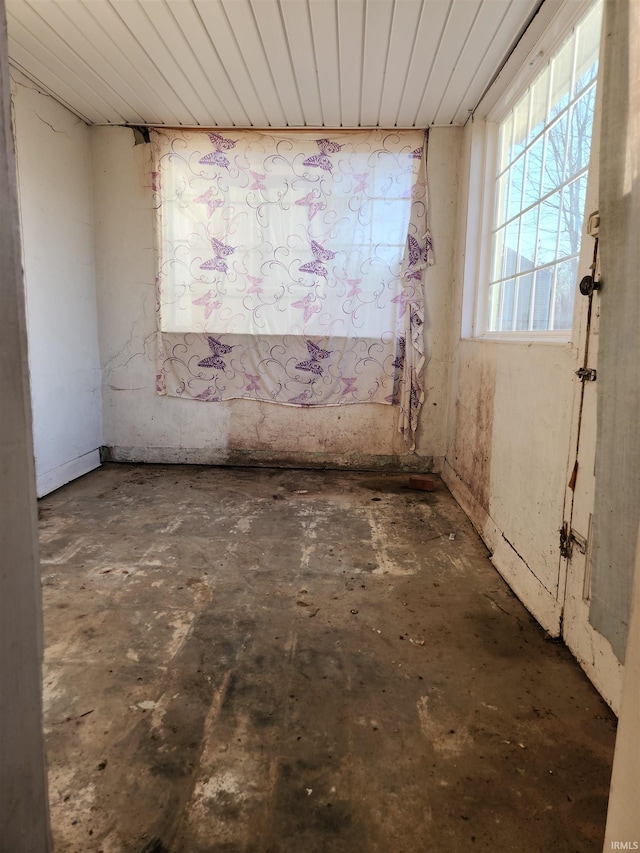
(414, 274)
(220, 143)
(217, 349)
(217, 158)
(417, 153)
(310, 201)
(221, 251)
(209, 303)
(320, 254)
(354, 285)
(398, 362)
(417, 253)
(210, 200)
(307, 306)
(312, 364)
(255, 284)
(361, 186)
(402, 299)
(349, 385)
(155, 182)
(254, 382)
(322, 160)
(258, 180)
(208, 395)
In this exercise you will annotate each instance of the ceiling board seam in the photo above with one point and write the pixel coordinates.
(222, 65)
(60, 6)
(142, 48)
(285, 31)
(140, 76)
(484, 56)
(196, 59)
(241, 54)
(170, 51)
(315, 62)
(386, 59)
(455, 64)
(413, 50)
(433, 61)
(266, 59)
(62, 62)
(362, 59)
(337, 29)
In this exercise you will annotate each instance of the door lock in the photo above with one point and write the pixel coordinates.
(586, 374)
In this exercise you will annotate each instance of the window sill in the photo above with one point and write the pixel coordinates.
(554, 338)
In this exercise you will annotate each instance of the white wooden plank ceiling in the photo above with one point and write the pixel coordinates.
(266, 63)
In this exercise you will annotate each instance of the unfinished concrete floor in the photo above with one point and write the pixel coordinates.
(248, 660)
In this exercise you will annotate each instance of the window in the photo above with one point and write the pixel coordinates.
(542, 159)
(290, 266)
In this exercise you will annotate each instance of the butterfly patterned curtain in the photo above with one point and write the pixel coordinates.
(290, 267)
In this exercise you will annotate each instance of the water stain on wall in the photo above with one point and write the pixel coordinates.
(474, 427)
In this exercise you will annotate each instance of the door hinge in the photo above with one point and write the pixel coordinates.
(586, 374)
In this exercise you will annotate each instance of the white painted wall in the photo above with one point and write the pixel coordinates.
(510, 438)
(139, 425)
(56, 207)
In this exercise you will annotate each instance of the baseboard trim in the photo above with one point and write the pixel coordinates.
(51, 480)
(271, 459)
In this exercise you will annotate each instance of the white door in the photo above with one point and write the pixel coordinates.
(591, 649)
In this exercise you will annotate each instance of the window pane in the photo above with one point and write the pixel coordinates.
(497, 255)
(579, 143)
(542, 298)
(588, 36)
(502, 193)
(528, 239)
(523, 305)
(510, 252)
(554, 155)
(506, 134)
(572, 217)
(533, 178)
(508, 297)
(561, 71)
(566, 275)
(539, 101)
(493, 306)
(520, 126)
(548, 230)
(516, 181)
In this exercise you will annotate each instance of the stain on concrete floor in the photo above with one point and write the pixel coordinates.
(277, 661)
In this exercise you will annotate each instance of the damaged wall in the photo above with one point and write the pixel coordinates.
(141, 426)
(56, 207)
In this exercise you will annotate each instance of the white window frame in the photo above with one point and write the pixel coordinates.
(541, 40)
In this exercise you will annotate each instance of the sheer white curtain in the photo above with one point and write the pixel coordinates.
(290, 266)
